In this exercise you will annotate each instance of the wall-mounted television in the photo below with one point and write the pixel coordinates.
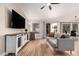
(17, 21)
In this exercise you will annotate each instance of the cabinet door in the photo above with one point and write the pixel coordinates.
(10, 44)
(24, 39)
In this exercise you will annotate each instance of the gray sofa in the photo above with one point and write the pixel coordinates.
(65, 44)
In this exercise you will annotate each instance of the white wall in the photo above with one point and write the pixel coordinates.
(4, 29)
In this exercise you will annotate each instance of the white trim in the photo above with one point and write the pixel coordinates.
(22, 46)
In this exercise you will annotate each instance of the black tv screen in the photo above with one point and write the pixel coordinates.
(17, 20)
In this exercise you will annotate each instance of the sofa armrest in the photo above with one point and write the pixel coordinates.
(66, 44)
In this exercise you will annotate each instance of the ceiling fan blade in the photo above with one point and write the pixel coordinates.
(54, 3)
(42, 7)
(50, 7)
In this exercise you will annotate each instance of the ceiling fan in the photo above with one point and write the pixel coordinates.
(49, 5)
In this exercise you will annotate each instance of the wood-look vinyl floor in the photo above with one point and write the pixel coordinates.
(40, 48)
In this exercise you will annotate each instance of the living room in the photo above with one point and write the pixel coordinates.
(43, 21)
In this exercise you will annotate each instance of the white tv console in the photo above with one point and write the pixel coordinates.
(14, 42)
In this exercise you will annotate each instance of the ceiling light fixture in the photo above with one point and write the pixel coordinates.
(49, 5)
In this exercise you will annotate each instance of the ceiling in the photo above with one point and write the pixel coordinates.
(62, 11)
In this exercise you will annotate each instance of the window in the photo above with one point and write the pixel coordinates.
(69, 26)
(75, 27)
(66, 27)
